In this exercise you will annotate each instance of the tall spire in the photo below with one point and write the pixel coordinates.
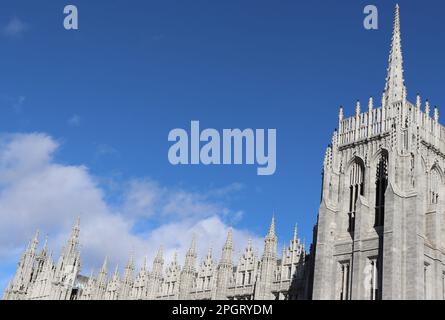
(104, 268)
(270, 242)
(191, 255)
(74, 238)
(34, 242)
(158, 262)
(229, 240)
(395, 84)
(130, 263)
(271, 232)
(226, 257)
(160, 253)
(45, 247)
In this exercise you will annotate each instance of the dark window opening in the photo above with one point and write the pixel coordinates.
(381, 185)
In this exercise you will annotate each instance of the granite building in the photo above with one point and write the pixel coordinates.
(380, 232)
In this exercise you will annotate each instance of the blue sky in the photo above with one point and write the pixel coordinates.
(108, 94)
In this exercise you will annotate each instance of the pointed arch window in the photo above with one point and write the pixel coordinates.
(356, 189)
(435, 180)
(381, 185)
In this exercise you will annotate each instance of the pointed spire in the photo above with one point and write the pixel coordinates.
(340, 114)
(270, 242)
(35, 241)
(418, 101)
(104, 268)
(271, 232)
(436, 114)
(192, 249)
(229, 240)
(226, 256)
(130, 263)
(45, 247)
(357, 108)
(296, 232)
(371, 104)
(158, 262)
(160, 254)
(395, 85)
(190, 258)
(75, 231)
(427, 107)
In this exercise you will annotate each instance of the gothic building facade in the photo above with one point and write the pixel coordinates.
(267, 277)
(381, 224)
(380, 232)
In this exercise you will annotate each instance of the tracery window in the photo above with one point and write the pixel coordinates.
(434, 186)
(356, 189)
(381, 185)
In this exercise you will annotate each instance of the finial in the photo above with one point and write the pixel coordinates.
(296, 232)
(436, 114)
(340, 113)
(35, 241)
(427, 107)
(229, 240)
(357, 108)
(371, 104)
(418, 101)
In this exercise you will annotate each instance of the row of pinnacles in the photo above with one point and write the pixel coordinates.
(38, 278)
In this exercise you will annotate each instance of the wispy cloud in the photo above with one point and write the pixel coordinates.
(14, 28)
(18, 104)
(74, 120)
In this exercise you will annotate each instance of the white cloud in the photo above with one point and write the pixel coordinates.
(15, 27)
(37, 192)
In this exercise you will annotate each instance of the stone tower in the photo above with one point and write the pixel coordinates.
(381, 223)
